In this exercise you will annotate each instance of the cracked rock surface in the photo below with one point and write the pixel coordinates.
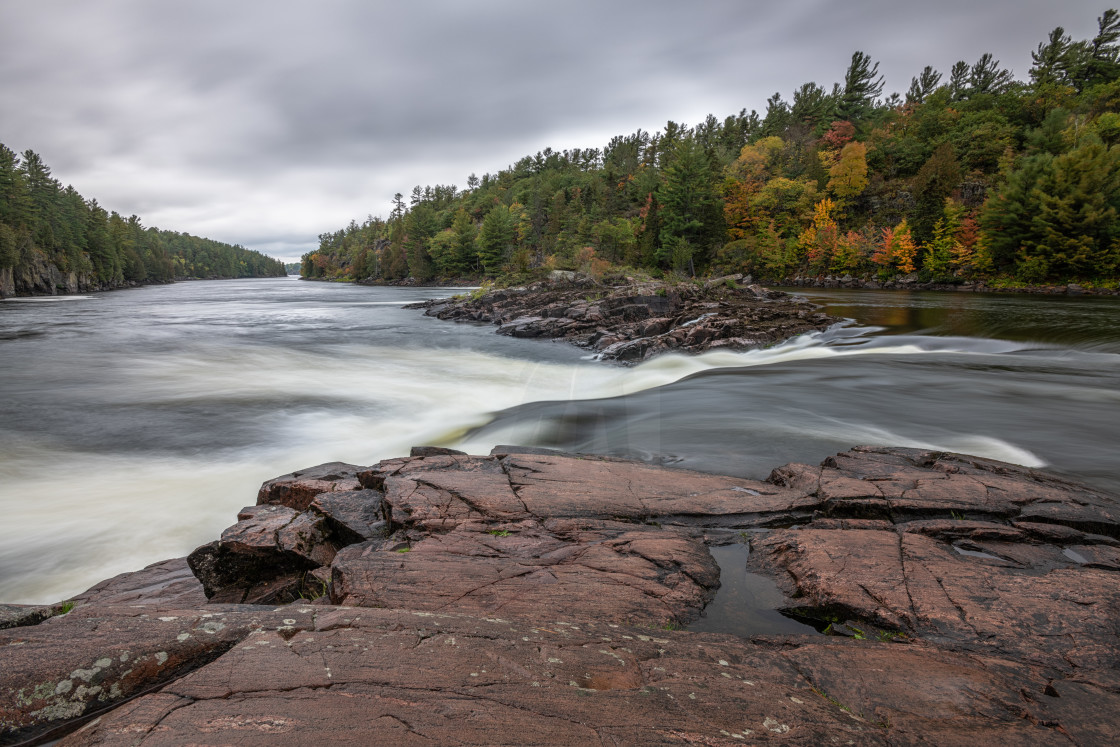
(631, 323)
(536, 598)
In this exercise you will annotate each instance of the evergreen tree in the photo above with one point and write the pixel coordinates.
(1056, 217)
(1074, 230)
(1050, 62)
(862, 86)
(495, 239)
(691, 210)
(935, 181)
(463, 245)
(923, 85)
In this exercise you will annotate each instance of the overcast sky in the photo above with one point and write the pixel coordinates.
(267, 123)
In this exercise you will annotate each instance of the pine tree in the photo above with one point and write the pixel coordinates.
(691, 210)
(495, 239)
(935, 181)
(463, 246)
(1074, 229)
(923, 85)
(862, 86)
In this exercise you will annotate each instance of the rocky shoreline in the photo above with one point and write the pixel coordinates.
(532, 597)
(913, 283)
(908, 282)
(633, 322)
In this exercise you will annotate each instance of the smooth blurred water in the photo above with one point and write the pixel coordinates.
(134, 424)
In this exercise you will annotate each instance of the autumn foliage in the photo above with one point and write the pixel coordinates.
(971, 175)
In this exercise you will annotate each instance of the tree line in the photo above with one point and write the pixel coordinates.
(970, 175)
(43, 223)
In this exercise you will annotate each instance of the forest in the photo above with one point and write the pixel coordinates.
(45, 227)
(970, 175)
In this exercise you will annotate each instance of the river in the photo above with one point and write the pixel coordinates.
(134, 424)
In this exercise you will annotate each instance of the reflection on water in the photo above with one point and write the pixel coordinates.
(1083, 322)
(134, 424)
(746, 604)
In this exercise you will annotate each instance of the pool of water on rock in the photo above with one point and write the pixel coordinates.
(746, 603)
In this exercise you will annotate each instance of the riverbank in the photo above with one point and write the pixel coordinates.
(912, 283)
(59, 284)
(532, 596)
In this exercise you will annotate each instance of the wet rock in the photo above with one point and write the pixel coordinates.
(298, 489)
(562, 486)
(635, 322)
(1036, 592)
(924, 587)
(877, 482)
(379, 676)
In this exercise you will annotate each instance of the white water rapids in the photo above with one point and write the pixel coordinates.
(135, 424)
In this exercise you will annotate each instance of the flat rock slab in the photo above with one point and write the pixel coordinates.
(557, 486)
(587, 570)
(924, 587)
(79, 663)
(379, 676)
(438, 493)
(896, 484)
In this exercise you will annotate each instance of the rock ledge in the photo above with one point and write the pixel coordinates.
(538, 598)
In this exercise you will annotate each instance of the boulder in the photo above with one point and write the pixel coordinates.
(298, 489)
(264, 557)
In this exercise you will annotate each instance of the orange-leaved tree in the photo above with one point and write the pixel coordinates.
(897, 249)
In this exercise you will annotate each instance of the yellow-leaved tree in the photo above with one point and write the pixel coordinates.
(849, 175)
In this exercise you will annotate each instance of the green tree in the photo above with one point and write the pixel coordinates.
(463, 247)
(1051, 61)
(923, 85)
(691, 210)
(496, 239)
(862, 86)
(1056, 216)
(935, 181)
(419, 226)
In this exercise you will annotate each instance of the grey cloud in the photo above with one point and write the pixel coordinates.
(269, 122)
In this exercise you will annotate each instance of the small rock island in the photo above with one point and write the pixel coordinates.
(628, 321)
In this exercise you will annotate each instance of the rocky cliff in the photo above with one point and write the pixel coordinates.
(41, 277)
(539, 598)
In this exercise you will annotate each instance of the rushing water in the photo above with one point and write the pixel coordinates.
(134, 424)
